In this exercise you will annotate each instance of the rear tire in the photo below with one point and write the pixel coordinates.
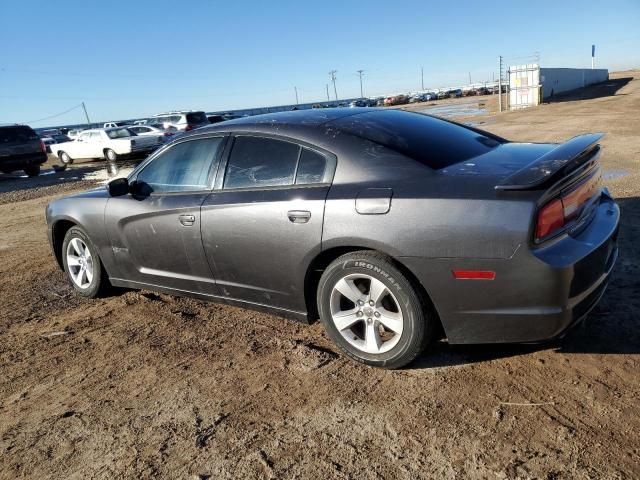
(32, 170)
(82, 264)
(65, 158)
(110, 155)
(380, 319)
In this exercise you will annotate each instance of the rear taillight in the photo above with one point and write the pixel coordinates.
(43, 147)
(568, 206)
(550, 219)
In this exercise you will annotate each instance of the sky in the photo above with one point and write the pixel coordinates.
(128, 59)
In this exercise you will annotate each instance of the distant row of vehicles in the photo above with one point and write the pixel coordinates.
(404, 99)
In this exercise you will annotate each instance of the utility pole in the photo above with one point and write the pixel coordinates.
(327, 85)
(500, 84)
(296, 89)
(469, 78)
(360, 72)
(332, 76)
(422, 77)
(86, 114)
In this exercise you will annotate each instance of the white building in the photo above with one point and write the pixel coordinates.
(530, 84)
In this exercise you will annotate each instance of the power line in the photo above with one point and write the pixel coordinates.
(54, 116)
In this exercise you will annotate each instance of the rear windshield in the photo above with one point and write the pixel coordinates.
(197, 117)
(17, 134)
(431, 141)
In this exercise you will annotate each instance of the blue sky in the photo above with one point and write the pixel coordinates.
(136, 58)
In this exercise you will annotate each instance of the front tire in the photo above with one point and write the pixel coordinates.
(82, 264)
(32, 170)
(372, 312)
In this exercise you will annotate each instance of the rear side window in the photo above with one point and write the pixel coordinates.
(310, 168)
(183, 167)
(261, 162)
(17, 134)
(431, 141)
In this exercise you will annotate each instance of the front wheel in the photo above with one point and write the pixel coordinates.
(82, 264)
(372, 312)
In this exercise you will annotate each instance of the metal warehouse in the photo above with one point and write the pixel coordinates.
(530, 84)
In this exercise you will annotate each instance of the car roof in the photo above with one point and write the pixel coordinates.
(311, 117)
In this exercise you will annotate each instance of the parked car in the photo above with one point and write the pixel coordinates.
(21, 149)
(74, 133)
(225, 116)
(181, 120)
(150, 131)
(55, 138)
(396, 100)
(387, 225)
(107, 143)
(442, 94)
(456, 93)
(141, 122)
(430, 96)
(115, 124)
(359, 103)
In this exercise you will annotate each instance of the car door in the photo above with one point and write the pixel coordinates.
(263, 223)
(155, 231)
(96, 143)
(81, 147)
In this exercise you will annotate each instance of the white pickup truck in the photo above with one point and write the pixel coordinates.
(108, 143)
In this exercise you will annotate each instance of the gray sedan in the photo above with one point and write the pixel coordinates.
(392, 227)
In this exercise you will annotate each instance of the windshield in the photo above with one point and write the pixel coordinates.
(120, 133)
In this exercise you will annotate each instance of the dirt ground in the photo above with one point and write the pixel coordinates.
(140, 385)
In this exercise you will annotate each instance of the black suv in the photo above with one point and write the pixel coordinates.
(21, 149)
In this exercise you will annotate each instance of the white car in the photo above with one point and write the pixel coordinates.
(115, 124)
(108, 143)
(181, 120)
(75, 133)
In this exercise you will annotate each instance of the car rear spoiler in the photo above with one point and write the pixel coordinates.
(554, 164)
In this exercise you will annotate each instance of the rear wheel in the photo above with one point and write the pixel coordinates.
(32, 170)
(110, 155)
(372, 312)
(82, 264)
(65, 158)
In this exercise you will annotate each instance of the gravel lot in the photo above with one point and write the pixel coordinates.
(141, 385)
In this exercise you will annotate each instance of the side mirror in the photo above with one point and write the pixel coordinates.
(118, 187)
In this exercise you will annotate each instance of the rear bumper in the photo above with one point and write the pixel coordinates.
(536, 295)
(19, 162)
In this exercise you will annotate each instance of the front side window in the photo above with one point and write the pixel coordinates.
(261, 162)
(183, 167)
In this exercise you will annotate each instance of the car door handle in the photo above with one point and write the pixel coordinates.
(299, 216)
(187, 220)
